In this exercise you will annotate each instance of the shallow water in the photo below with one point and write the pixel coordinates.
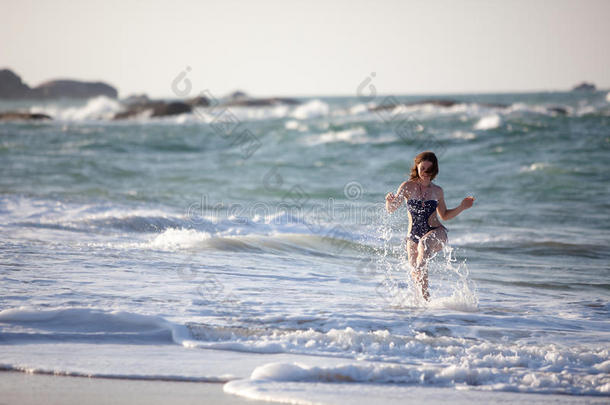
(170, 233)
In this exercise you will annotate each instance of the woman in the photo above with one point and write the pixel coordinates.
(424, 202)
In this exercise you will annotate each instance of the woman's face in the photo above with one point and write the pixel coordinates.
(422, 167)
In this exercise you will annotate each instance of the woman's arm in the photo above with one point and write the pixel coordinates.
(393, 201)
(447, 214)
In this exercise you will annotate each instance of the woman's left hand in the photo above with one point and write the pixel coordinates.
(467, 202)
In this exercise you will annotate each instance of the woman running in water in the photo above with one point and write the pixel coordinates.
(424, 202)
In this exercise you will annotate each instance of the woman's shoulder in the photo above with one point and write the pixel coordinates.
(408, 184)
(437, 189)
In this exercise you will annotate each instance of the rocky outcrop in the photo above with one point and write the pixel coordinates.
(240, 99)
(237, 95)
(137, 105)
(260, 102)
(435, 102)
(135, 99)
(21, 116)
(11, 87)
(155, 108)
(558, 110)
(173, 108)
(73, 89)
(199, 101)
(584, 86)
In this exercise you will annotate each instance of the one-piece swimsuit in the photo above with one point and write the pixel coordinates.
(420, 212)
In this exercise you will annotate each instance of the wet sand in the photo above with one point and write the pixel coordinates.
(25, 389)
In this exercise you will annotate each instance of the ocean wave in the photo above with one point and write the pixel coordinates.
(104, 109)
(451, 362)
(357, 135)
(530, 243)
(98, 108)
(463, 135)
(308, 244)
(256, 231)
(255, 218)
(488, 122)
(352, 135)
(296, 125)
(415, 359)
(87, 325)
(535, 167)
(311, 109)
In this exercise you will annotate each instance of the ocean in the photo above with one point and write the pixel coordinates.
(250, 246)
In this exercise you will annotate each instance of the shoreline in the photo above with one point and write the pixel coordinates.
(25, 388)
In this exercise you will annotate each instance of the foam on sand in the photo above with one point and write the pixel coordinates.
(501, 370)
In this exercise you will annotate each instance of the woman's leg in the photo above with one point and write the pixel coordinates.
(428, 245)
(417, 275)
(412, 252)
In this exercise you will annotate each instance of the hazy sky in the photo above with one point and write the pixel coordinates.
(310, 47)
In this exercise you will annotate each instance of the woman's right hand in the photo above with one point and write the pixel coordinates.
(467, 202)
(389, 197)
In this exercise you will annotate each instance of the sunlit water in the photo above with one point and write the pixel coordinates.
(167, 248)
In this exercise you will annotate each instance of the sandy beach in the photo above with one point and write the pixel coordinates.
(25, 389)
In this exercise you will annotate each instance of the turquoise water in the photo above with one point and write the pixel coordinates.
(276, 241)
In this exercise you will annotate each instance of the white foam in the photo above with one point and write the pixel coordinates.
(361, 108)
(463, 135)
(354, 135)
(488, 122)
(98, 108)
(296, 126)
(540, 369)
(257, 113)
(307, 393)
(528, 108)
(311, 109)
(173, 239)
(420, 359)
(534, 167)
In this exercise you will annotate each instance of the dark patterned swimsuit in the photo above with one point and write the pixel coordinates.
(420, 212)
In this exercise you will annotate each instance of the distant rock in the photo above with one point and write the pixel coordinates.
(156, 109)
(241, 99)
(173, 108)
(435, 102)
(493, 105)
(199, 101)
(237, 95)
(20, 116)
(558, 110)
(584, 86)
(73, 89)
(11, 87)
(135, 99)
(260, 102)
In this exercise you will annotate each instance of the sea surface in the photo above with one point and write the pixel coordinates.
(250, 246)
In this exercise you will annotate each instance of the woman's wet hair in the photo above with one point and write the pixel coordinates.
(423, 157)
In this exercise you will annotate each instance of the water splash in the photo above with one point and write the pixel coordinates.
(450, 284)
